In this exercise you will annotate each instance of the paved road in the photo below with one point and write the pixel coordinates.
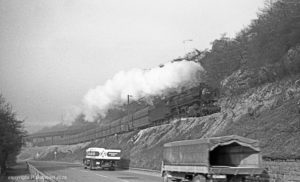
(69, 172)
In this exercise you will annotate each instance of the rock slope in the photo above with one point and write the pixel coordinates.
(269, 113)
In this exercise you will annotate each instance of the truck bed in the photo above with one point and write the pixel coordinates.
(235, 170)
(224, 170)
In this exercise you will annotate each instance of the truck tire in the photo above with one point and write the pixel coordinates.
(236, 179)
(199, 178)
(112, 168)
(166, 178)
(91, 164)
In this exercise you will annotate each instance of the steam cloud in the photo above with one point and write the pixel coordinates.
(140, 83)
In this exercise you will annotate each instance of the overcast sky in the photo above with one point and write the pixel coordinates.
(53, 51)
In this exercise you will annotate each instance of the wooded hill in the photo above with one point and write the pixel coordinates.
(269, 47)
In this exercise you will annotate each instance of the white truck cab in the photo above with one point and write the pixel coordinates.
(101, 158)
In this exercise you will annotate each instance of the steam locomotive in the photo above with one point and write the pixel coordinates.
(195, 102)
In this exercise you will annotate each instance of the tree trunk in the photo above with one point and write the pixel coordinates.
(3, 160)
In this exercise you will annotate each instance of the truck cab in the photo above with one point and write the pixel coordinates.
(100, 158)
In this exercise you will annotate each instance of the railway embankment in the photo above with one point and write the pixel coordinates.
(268, 113)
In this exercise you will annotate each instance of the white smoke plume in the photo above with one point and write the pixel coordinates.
(70, 113)
(140, 83)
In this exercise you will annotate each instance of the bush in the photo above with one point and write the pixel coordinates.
(11, 134)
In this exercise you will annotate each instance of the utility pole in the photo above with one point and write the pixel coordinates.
(128, 96)
(128, 99)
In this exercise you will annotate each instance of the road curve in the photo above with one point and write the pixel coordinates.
(70, 172)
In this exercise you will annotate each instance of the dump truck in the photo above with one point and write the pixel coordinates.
(97, 158)
(217, 159)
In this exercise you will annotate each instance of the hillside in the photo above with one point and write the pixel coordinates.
(269, 113)
(273, 119)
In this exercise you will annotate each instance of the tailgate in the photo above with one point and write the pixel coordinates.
(236, 170)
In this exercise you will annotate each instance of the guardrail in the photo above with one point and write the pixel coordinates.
(37, 175)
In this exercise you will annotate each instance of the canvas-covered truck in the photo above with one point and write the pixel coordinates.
(217, 159)
(96, 158)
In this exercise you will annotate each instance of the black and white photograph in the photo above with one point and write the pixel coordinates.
(150, 91)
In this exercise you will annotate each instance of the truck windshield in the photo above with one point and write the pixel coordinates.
(92, 153)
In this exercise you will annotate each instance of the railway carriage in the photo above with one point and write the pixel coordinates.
(116, 126)
(106, 130)
(141, 123)
(159, 114)
(141, 118)
(98, 132)
(92, 134)
(194, 102)
(124, 124)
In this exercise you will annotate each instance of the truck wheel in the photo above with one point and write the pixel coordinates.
(112, 168)
(199, 178)
(91, 165)
(236, 179)
(166, 178)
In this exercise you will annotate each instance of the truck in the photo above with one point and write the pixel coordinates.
(217, 159)
(97, 158)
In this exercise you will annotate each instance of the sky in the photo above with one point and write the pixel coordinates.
(53, 51)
